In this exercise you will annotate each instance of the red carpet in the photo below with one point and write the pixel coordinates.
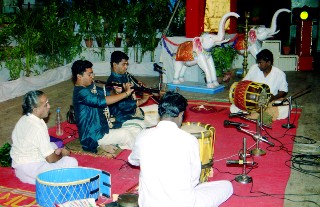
(270, 176)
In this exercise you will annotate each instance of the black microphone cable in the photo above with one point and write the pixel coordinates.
(278, 196)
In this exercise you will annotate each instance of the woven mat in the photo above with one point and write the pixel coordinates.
(76, 148)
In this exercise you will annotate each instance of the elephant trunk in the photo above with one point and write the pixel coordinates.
(221, 31)
(274, 19)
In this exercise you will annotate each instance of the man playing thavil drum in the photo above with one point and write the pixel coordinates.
(128, 111)
(264, 72)
(170, 166)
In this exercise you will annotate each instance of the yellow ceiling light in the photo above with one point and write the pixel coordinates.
(304, 15)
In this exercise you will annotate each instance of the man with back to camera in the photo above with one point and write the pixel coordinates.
(265, 72)
(170, 166)
(31, 152)
(129, 111)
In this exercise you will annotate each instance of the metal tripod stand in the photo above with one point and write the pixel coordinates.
(288, 125)
(257, 135)
(289, 100)
(161, 71)
(242, 178)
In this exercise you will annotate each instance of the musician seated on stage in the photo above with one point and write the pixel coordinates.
(265, 72)
(32, 152)
(92, 113)
(129, 111)
(169, 160)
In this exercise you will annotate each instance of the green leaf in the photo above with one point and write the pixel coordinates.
(5, 158)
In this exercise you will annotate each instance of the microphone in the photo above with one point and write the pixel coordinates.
(237, 124)
(264, 139)
(158, 68)
(240, 162)
(241, 113)
(280, 103)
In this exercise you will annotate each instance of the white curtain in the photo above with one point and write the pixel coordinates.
(19, 87)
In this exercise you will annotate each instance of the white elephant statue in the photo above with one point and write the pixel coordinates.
(259, 34)
(198, 52)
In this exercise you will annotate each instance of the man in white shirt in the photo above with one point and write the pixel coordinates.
(265, 72)
(169, 160)
(31, 151)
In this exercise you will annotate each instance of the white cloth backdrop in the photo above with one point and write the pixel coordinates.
(15, 88)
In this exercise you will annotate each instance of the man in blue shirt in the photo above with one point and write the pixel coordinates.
(92, 112)
(129, 111)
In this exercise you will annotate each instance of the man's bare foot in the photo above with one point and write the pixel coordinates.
(109, 148)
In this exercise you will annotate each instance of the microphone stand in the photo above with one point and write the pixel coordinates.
(288, 125)
(257, 136)
(243, 116)
(289, 100)
(258, 151)
(160, 70)
(244, 178)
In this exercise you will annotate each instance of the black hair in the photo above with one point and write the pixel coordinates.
(171, 104)
(265, 55)
(117, 56)
(30, 101)
(79, 67)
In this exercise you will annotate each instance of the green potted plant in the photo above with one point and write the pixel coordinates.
(144, 23)
(100, 35)
(14, 62)
(223, 57)
(177, 27)
(59, 43)
(131, 25)
(21, 57)
(85, 19)
(27, 36)
(42, 36)
(286, 47)
(99, 31)
(5, 35)
(114, 20)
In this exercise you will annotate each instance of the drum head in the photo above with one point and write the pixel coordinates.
(249, 95)
(128, 200)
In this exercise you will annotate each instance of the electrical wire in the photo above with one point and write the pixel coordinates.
(300, 162)
(303, 162)
(277, 196)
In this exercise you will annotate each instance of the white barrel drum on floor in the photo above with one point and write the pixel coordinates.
(62, 185)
